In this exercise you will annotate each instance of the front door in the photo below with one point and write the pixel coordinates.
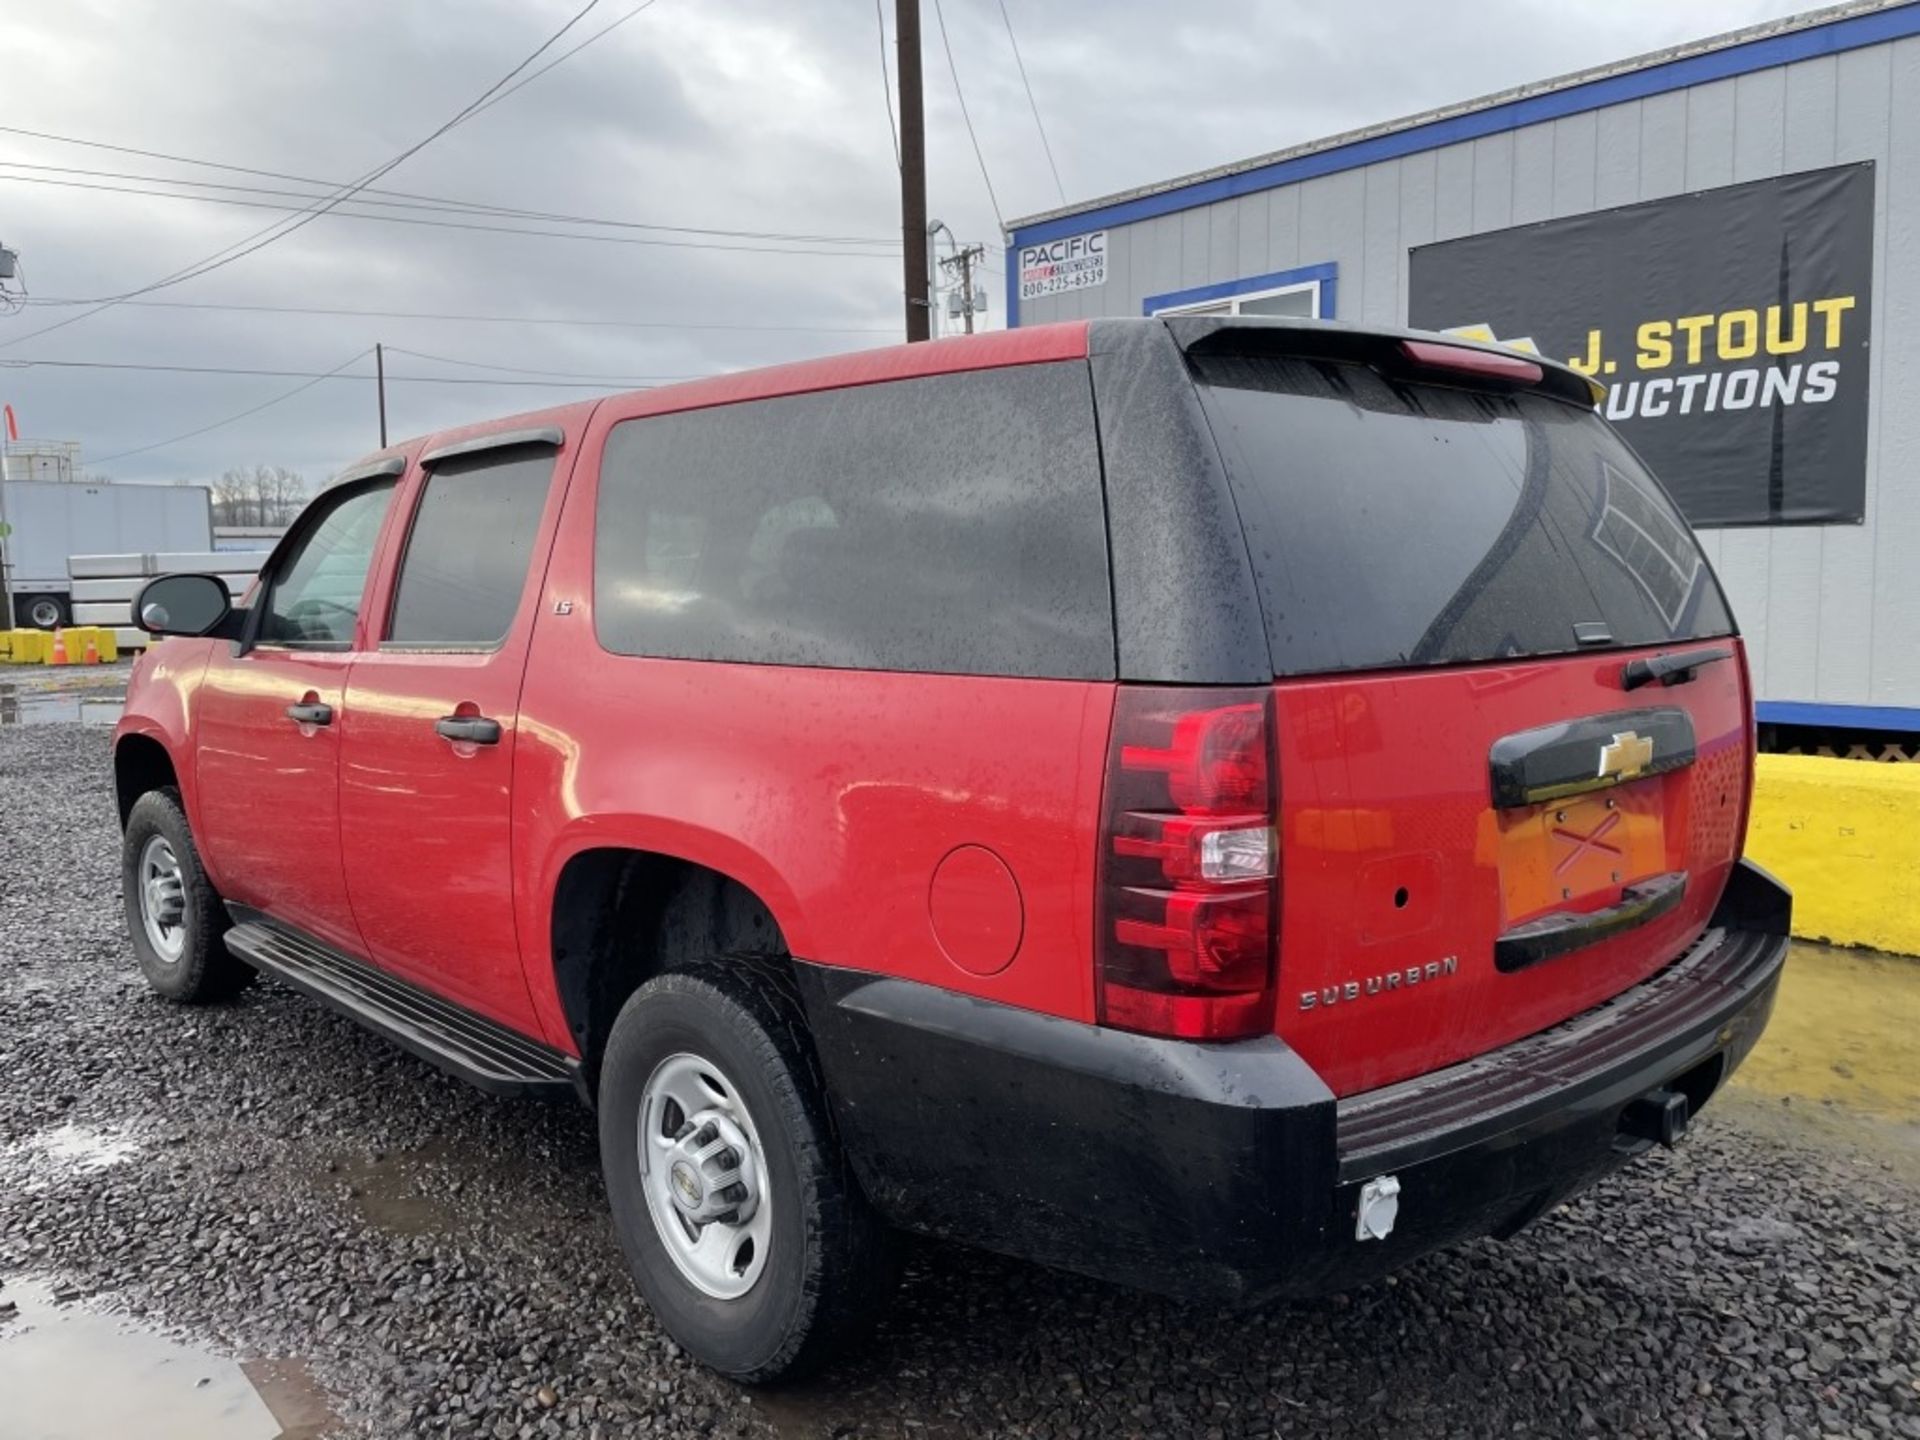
(267, 757)
(427, 754)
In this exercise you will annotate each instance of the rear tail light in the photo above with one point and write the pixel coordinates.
(1189, 865)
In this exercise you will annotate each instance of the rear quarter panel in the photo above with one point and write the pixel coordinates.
(833, 795)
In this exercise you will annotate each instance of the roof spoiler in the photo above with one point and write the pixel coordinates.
(1404, 354)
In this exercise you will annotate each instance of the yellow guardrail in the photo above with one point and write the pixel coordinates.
(1845, 834)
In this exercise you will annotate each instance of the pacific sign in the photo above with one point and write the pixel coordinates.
(1073, 263)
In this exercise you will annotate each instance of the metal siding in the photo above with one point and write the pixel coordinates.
(1709, 135)
(1250, 236)
(1418, 207)
(1849, 614)
(1532, 174)
(1493, 183)
(1895, 667)
(1196, 247)
(1830, 611)
(1617, 156)
(1453, 192)
(1663, 148)
(1332, 227)
(1223, 241)
(1380, 302)
(1575, 164)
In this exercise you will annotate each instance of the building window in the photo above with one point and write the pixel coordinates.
(1305, 293)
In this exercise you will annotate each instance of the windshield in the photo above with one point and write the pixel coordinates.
(1400, 524)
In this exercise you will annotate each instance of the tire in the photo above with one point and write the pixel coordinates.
(40, 612)
(186, 961)
(825, 1261)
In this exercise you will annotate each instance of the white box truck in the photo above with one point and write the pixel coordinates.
(43, 522)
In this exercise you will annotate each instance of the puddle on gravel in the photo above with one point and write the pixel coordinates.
(74, 1371)
(63, 1151)
(85, 696)
(1845, 1031)
(57, 709)
(409, 1192)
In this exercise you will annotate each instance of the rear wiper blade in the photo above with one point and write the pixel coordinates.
(1674, 669)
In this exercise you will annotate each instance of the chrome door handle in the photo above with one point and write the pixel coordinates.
(474, 729)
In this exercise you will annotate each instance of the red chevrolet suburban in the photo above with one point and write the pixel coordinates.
(1227, 807)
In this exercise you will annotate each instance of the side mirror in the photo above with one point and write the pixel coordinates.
(183, 605)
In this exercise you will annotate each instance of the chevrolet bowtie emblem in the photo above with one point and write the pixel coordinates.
(1627, 756)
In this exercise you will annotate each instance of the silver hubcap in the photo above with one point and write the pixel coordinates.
(163, 899)
(705, 1176)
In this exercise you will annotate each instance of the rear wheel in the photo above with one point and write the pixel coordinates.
(742, 1223)
(43, 612)
(174, 917)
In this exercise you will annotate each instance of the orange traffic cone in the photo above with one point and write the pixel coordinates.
(59, 655)
(92, 657)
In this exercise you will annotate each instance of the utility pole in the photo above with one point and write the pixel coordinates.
(962, 262)
(913, 171)
(380, 377)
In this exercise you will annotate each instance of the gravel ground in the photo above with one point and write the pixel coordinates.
(290, 1187)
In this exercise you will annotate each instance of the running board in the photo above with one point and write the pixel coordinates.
(480, 1051)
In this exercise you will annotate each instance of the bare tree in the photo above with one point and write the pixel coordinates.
(262, 495)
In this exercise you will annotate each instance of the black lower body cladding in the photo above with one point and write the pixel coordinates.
(1229, 1173)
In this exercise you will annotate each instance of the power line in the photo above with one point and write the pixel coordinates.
(960, 94)
(1032, 104)
(562, 59)
(280, 229)
(580, 320)
(886, 81)
(342, 214)
(398, 199)
(522, 370)
(606, 383)
(252, 410)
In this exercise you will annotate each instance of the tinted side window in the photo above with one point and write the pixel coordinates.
(953, 524)
(313, 597)
(468, 551)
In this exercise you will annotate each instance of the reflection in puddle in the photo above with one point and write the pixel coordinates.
(57, 708)
(66, 1150)
(75, 1372)
(403, 1194)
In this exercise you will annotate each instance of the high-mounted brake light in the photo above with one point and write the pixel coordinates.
(1189, 865)
(1433, 355)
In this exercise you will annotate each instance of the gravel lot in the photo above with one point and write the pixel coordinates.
(289, 1187)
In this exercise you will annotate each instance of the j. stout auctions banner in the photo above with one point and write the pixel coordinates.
(1730, 328)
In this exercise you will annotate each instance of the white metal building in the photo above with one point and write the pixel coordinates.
(1831, 609)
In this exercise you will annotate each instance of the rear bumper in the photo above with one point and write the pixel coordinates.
(1230, 1172)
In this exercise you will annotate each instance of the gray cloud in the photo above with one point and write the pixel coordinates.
(741, 114)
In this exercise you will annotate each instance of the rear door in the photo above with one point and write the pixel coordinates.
(1489, 822)
(427, 755)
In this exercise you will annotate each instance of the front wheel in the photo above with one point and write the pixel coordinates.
(739, 1217)
(174, 917)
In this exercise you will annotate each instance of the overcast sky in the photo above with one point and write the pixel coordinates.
(745, 115)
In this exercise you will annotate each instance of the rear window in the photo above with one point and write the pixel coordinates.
(1409, 524)
(953, 524)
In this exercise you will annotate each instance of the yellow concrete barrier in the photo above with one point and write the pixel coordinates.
(27, 647)
(1845, 834)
